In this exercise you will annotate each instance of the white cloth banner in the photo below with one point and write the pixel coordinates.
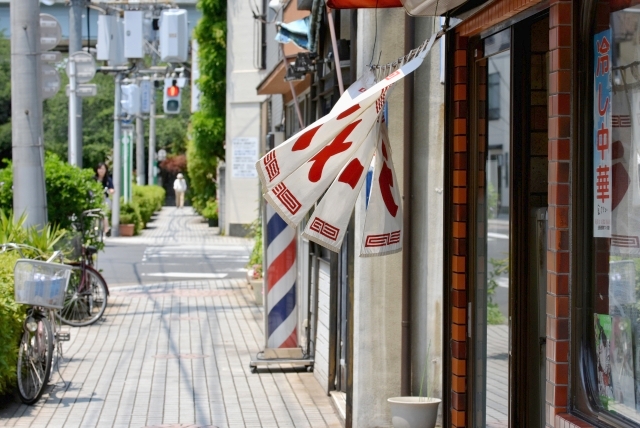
(383, 223)
(297, 173)
(328, 224)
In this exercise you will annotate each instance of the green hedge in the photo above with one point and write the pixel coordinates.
(68, 190)
(149, 199)
(11, 313)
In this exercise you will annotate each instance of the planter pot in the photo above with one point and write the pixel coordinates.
(126, 229)
(414, 412)
(213, 222)
(256, 285)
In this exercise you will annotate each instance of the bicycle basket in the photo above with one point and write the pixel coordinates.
(40, 283)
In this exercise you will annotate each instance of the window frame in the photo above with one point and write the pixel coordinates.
(584, 401)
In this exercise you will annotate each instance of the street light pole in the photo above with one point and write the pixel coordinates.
(117, 160)
(140, 176)
(75, 45)
(73, 108)
(152, 135)
(26, 113)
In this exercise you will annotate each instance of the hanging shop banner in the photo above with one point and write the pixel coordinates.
(383, 223)
(363, 4)
(625, 183)
(298, 172)
(602, 136)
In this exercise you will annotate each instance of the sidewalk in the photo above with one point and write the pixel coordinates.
(174, 353)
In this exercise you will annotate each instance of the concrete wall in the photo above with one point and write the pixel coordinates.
(377, 324)
(427, 151)
(243, 114)
(377, 321)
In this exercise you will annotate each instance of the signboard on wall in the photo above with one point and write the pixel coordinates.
(244, 157)
(602, 177)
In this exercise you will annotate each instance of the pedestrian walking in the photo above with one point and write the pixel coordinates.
(102, 176)
(180, 187)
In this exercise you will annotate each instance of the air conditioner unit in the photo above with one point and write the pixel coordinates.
(174, 37)
(133, 34)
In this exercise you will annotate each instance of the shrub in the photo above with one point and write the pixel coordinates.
(255, 260)
(70, 190)
(11, 315)
(130, 214)
(210, 211)
(149, 200)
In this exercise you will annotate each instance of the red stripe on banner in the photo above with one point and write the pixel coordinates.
(281, 265)
(348, 111)
(292, 341)
(305, 139)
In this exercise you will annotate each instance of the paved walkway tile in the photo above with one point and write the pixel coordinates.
(174, 353)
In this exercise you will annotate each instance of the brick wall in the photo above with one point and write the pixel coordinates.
(460, 280)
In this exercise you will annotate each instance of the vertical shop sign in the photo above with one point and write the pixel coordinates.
(602, 136)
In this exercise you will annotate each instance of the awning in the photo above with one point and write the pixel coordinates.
(329, 159)
(274, 83)
(363, 4)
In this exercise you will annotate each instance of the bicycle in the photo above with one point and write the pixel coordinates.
(87, 293)
(41, 285)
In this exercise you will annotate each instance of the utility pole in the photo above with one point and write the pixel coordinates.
(26, 113)
(117, 159)
(140, 176)
(73, 108)
(152, 134)
(75, 45)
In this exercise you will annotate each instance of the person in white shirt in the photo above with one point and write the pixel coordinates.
(180, 187)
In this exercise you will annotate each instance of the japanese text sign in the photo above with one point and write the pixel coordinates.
(602, 136)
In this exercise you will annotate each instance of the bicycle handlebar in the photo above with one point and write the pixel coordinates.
(13, 246)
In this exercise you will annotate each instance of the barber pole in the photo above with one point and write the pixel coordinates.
(281, 308)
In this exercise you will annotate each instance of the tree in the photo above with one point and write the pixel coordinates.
(208, 124)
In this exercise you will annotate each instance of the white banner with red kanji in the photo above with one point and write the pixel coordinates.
(332, 154)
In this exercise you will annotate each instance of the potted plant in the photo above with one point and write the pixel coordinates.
(210, 212)
(416, 412)
(130, 220)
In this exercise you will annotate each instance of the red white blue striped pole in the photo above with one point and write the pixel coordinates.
(282, 272)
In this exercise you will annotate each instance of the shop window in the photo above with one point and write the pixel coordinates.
(614, 317)
(494, 96)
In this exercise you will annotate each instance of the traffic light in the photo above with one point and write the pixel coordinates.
(172, 100)
(130, 100)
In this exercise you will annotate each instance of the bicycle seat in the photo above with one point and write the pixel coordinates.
(91, 250)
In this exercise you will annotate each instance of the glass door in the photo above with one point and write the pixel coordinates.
(489, 308)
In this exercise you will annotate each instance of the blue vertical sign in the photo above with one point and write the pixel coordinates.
(602, 135)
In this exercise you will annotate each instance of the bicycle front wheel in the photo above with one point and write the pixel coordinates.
(34, 361)
(86, 298)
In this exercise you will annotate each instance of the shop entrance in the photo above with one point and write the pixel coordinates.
(508, 195)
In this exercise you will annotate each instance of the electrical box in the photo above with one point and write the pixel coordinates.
(130, 99)
(133, 34)
(174, 36)
(117, 53)
(106, 30)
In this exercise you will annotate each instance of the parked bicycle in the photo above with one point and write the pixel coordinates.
(87, 293)
(41, 285)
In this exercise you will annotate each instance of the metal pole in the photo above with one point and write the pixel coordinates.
(336, 56)
(75, 45)
(117, 160)
(73, 108)
(140, 176)
(26, 113)
(152, 135)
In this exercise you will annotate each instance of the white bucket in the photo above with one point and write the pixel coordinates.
(414, 412)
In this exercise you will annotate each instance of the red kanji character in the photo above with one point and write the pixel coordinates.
(602, 110)
(337, 146)
(603, 59)
(602, 183)
(386, 183)
(602, 142)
